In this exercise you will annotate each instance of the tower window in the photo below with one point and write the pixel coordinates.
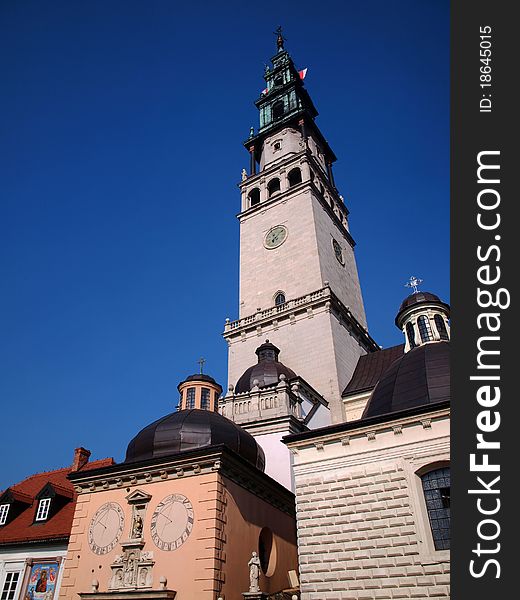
(410, 332)
(278, 80)
(273, 186)
(294, 176)
(278, 109)
(190, 398)
(425, 329)
(277, 146)
(436, 488)
(279, 299)
(254, 197)
(441, 327)
(205, 398)
(43, 509)
(4, 510)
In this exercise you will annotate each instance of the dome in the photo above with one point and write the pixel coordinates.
(190, 430)
(419, 377)
(200, 377)
(419, 298)
(267, 371)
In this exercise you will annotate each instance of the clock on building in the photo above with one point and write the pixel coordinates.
(106, 528)
(338, 251)
(172, 522)
(275, 237)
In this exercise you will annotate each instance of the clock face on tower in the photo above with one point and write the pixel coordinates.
(172, 522)
(106, 528)
(275, 237)
(338, 251)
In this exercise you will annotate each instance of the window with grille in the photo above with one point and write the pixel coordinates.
(190, 397)
(425, 329)
(436, 488)
(441, 327)
(205, 398)
(10, 583)
(4, 510)
(410, 332)
(43, 509)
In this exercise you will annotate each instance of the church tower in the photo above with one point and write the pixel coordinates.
(298, 276)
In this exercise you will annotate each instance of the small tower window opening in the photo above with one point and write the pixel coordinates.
(190, 398)
(410, 332)
(43, 509)
(436, 487)
(278, 109)
(278, 80)
(279, 299)
(277, 146)
(254, 197)
(205, 398)
(425, 329)
(273, 186)
(4, 510)
(294, 176)
(441, 327)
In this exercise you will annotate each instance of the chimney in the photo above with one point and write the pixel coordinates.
(81, 457)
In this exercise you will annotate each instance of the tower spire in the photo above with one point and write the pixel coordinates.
(279, 38)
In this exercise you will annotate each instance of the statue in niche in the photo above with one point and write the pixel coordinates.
(244, 174)
(137, 526)
(254, 573)
(142, 576)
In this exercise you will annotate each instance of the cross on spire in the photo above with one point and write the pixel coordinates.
(279, 38)
(413, 283)
(201, 362)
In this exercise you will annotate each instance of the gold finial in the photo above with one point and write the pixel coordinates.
(279, 38)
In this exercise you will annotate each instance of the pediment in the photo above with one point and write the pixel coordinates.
(138, 496)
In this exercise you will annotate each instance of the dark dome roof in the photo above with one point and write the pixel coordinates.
(189, 430)
(267, 371)
(419, 377)
(200, 377)
(419, 298)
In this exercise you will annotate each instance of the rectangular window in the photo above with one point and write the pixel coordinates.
(204, 400)
(190, 398)
(10, 583)
(43, 509)
(4, 509)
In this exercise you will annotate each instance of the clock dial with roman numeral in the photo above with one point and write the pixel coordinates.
(172, 522)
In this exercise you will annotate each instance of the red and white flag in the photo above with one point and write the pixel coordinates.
(302, 73)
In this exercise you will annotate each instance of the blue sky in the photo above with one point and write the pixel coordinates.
(120, 151)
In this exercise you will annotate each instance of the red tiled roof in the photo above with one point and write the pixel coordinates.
(370, 368)
(22, 528)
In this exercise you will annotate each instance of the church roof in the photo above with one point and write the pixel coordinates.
(370, 367)
(420, 377)
(189, 430)
(21, 529)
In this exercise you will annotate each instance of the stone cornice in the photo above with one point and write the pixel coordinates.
(213, 459)
(322, 298)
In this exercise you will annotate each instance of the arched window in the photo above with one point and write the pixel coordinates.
(294, 176)
(425, 328)
(441, 327)
(254, 197)
(278, 79)
(278, 109)
(273, 186)
(410, 332)
(279, 299)
(436, 487)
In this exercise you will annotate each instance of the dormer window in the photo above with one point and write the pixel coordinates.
(43, 509)
(4, 510)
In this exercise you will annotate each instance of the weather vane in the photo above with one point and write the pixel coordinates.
(279, 39)
(201, 362)
(413, 283)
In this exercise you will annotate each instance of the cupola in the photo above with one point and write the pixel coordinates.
(423, 317)
(199, 391)
(266, 372)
